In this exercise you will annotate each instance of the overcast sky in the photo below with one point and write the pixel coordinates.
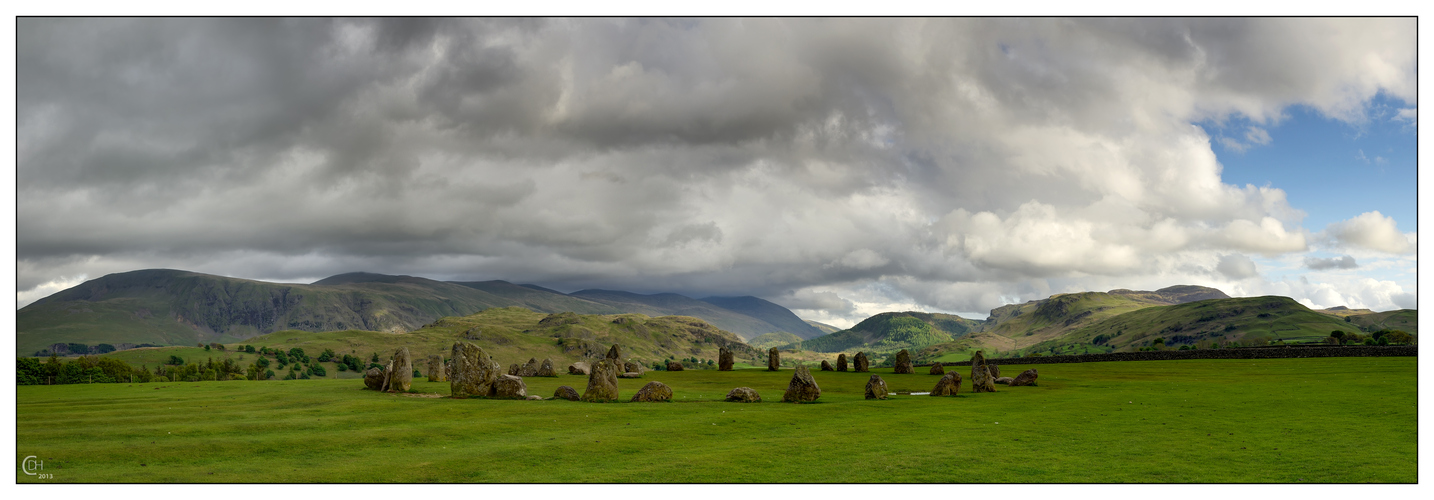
(838, 167)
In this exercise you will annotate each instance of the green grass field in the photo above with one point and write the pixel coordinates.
(1218, 421)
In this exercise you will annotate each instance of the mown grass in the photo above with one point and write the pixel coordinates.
(1279, 420)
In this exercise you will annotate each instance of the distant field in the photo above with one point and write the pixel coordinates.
(1206, 421)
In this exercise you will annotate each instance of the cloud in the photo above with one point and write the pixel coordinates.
(1408, 115)
(1373, 231)
(1341, 262)
(951, 164)
(1236, 266)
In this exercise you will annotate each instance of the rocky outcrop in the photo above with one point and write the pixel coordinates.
(841, 362)
(981, 379)
(546, 369)
(1004, 380)
(937, 369)
(802, 388)
(566, 392)
(949, 385)
(436, 370)
(674, 366)
(653, 392)
(579, 368)
(471, 371)
(529, 369)
(602, 382)
(1027, 377)
(876, 388)
(510, 387)
(903, 362)
(373, 379)
(827, 367)
(724, 359)
(774, 359)
(400, 378)
(860, 363)
(744, 395)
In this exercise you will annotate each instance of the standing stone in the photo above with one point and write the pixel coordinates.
(774, 359)
(981, 379)
(471, 371)
(436, 369)
(802, 388)
(995, 370)
(579, 368)
(510, 387)
(937, 369)
(744, 395)
(566, 392)
(633, 367)
(876, 388)
(674, 366)
(615, 354)
(860, 363)
(826, 367)
(1027, 377)
(724, 359)
(373, 379)
(514, 368)
(653, 392)
(546, 369)
(529, 369)
(903, 362)
(949, 385)
(841, 362)
(400, 378)
(602, 382)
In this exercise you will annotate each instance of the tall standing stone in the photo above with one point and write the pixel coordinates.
(615, 354)
(471, 371)
(981, 379)
(949, 385)
(937, 369)
(602, 382)
(400, 378)
(802, 388)
(841, 362)
(774, 359)
(860, 363)
(1027, 377)
(435, 369)
(903, 362)
(724, 359)
(876, 388)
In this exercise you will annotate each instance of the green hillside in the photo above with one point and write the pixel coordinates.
(1247, 319)
(510, 335)
(893, 331)
(1402, 319)
(774, 339)
(825, 328)
(1040, 320)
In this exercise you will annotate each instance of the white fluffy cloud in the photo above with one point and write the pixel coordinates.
(842, 165)
(1374, 231)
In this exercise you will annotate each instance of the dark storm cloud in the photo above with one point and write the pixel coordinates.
(955, 163)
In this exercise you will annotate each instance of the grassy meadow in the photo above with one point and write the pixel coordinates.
(1218, 421)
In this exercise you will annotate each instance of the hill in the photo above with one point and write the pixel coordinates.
(779, 317)
(895, 330)
(509, 334)
(1246, 319)
(1401, 319)
(774, 339)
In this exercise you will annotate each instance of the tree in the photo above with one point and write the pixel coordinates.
(206, 348)
(1399, 337)
(249, 349)
(175, 360)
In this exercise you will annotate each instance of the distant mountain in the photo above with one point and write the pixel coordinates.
(825, 328)
(895, 330)
(775, 315)
(671, 304)
(1219, 320)
(171, 307)
(774, 339)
